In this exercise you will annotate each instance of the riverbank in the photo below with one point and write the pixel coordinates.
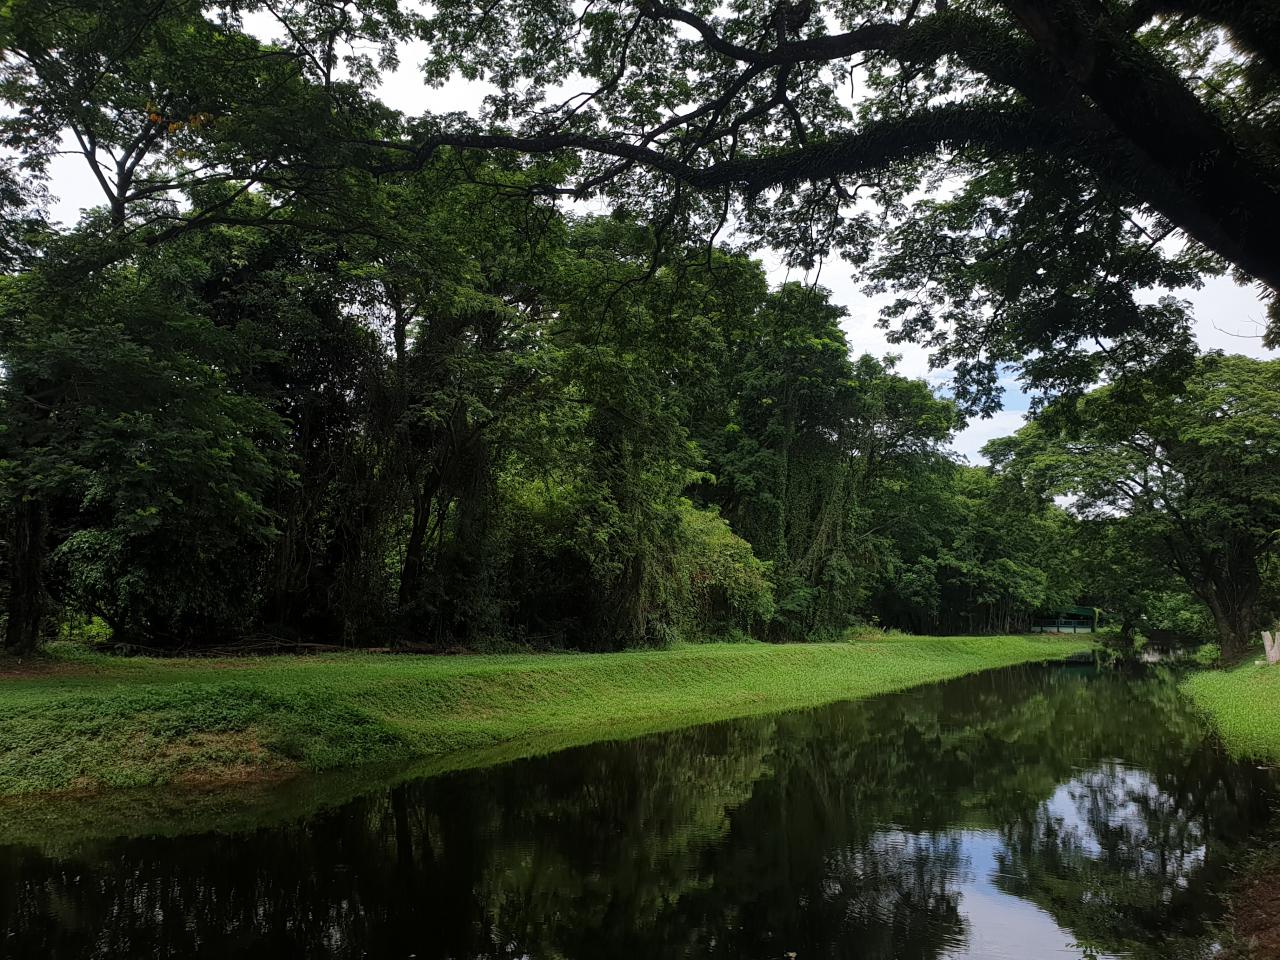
(75, 721)
(1244, 703)
(1252, 929)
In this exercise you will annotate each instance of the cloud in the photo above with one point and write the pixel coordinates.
(1229, 317)
(970, 440)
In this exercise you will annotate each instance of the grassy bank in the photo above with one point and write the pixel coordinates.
(80, 721)
(1245, 704)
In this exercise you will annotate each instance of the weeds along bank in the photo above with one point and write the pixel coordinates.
(85, 721)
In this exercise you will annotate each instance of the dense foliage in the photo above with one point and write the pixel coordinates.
(1018, 172)
(480, 420)
(319, 370)
(1182, 481)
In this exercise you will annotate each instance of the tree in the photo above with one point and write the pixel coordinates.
(604, 550)
(1027, 161)
(1120, 574)
(1190, 472)
(165, 97)
(802, 444)
(1082, 135)
(364, 364)
(969, 555)
(131, 459)
(459, 418)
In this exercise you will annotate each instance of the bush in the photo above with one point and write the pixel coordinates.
(730, 593)
(1181, 615)
(1109, 636)
(731, 635)
(574, 559)
(1113, 636)
(85, 631)
(1207, 655)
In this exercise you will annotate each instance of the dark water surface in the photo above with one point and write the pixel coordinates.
(1036, 812)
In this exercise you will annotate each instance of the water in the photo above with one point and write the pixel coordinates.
(1032, 813)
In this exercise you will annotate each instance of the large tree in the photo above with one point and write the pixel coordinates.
(131, 457)
(1190, 472)
(1060, 145)
(1016, 170)
(165, 97)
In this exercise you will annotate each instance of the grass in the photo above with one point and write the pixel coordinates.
(76, 721)
(1244, 702)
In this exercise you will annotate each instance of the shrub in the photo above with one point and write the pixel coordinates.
(1181, 615)
(85, 631)
(1109, 635)
(1113, 635)
(1207, 655)
(729, 589)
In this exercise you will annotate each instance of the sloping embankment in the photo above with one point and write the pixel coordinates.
(80, 722)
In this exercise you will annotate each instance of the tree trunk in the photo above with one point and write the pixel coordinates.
(411, 567)
(27, 601)
(1271, 643)
(1202, 178)
(1235, 628)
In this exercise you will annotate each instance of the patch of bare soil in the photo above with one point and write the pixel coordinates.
(220, 758)
(1255, 911)
(30, 668)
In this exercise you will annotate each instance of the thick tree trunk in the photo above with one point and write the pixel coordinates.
(1235, 625)
(1271, 643)
(1202, 178)
(27, 601)
(424, 517)
(411, 568)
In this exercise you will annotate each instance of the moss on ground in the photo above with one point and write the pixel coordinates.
(75, 721)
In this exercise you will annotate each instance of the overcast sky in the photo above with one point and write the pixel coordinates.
(1227, 316)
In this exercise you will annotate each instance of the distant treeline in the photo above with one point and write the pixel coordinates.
(463, 417)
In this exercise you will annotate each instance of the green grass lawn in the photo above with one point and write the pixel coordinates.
(1245, 704)
(82, 721)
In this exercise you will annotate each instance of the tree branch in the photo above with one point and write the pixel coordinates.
(876, 145)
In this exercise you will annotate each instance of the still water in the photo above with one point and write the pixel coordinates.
(1036, 812)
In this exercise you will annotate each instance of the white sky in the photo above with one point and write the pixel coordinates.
(1227, 316)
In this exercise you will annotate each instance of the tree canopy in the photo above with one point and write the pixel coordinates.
(317, 368)
(1018, 172)
(1189, 478)
(1028, 163)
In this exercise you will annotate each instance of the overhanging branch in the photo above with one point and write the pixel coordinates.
(875, 146)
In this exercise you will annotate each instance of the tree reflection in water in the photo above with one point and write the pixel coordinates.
(986, 817)
(1125, 863)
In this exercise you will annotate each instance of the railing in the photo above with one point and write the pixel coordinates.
(1062, 626)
